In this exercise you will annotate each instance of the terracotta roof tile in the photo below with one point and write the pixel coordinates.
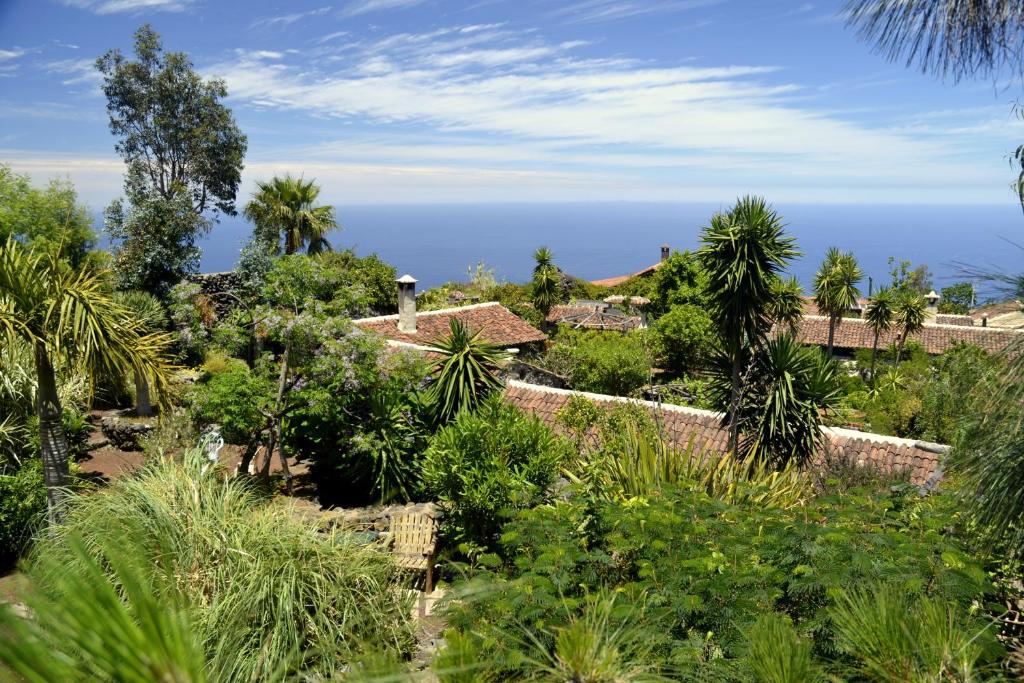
(500, 326)
(853, 333)
(951, 319)
(702, 427)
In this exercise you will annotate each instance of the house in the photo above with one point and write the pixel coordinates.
(810, 307)
(497, 324)
(598, 315)
(852, 334)
(619, 279)
(701, 430)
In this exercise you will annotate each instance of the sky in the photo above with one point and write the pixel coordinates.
(420, 101)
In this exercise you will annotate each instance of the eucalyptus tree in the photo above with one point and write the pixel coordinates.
(65, 313)
(743, 251)
(835, 288)
(909, 312)
(467, 372)
(879, 316)
(286, 208)
(544, 287)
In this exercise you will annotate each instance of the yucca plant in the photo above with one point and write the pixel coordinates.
(909, 313)
(467, 373)
(835, 288)
(544, 288)
(787, 306)
(879, 317)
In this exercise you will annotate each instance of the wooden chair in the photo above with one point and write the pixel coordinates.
(414, 544)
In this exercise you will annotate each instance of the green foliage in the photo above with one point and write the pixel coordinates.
(266, 594)
(544, 290)
(193, 316)
(466, 374)
(347, 284)
(22, 508)
(286, 208)
(778, 654)
(602, 362)
(45, 220)
(686, 338)
(486, 464)
(706, 572)
(233, 400)
(908, 279)
(179, 141)
(679, 281)
(957, 299)
(835, 287)
(787, 307)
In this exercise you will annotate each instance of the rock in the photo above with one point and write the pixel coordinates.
(124, 434)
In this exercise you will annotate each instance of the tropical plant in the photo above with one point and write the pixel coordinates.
(909, 313)
(778, 654)
(879, 316)
(486, 464)
(835, 288)
(743, 251)
(22, 508)
(286, 208)
(148, 310)
(66, 314)
(267, 595)
(787, 307)
(466, 374)
(785, 386)
(544, 288)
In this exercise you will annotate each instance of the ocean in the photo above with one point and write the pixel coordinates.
(437, 242)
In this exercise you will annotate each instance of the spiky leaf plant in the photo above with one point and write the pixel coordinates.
(467, 372)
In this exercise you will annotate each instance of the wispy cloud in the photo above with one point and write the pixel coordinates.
(11, 54)
(75, 71)
(288, 19)
(366, 6)
(591, 11)
(133, 6)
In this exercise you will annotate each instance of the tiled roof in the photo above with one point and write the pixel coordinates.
(619, 279)
(500, 326)
(811, 306)
(951, 319)
(686, 427)
(853, 333)
(591, 318)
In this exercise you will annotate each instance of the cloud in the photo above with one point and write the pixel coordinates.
(75, 71)
(134, 6)
(593, 11)
(366, 6)
(288, 19)
(11, 54)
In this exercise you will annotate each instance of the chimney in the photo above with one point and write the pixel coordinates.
(984, 320)
(407, 304)
(664, 252)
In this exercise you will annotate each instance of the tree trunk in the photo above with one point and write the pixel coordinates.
(874, 355)
(899, 349)
(143, 406)
(53, 443)
(831, 333)
(734, 407)
(275, 418)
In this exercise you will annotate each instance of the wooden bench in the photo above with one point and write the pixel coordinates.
(414, 545)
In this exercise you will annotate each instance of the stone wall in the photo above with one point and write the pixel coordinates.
(218, 287)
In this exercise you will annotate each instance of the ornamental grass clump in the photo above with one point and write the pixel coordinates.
(264, 591)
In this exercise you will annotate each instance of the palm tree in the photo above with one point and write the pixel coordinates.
(743, 252)
(787, 306)
(65, 313)
(909, 313)
(466, 374)
(287, 206)
(835, 288)
(148, 310)
(544, 289)
(879, 317)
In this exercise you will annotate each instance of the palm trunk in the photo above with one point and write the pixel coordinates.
(899, 349)
(874, 355)
(143, 406)
(831, 333)
(734, 407)
(53, 443)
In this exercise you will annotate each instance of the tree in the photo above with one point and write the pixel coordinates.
(743, 251)
(65, 312)
(678, 281)
(909, 313)
(879, 316)
(286, 207)
(686, 335)
(907, 278)
(152, 317)
(544, 288)
(154, 241)
(835, 288)
(172, 130)
(957, 299)
(466, 374)
(787, 306)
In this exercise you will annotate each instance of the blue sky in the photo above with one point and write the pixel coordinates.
(524, 100)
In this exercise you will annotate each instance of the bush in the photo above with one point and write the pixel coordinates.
(22, 509)
(232, 399)
(267, 594)
(487, 464)
(347, 284)
(603, 362)
(686, 338)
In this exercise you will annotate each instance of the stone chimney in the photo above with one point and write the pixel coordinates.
(984, 320)
(407, 304)
(665, 249)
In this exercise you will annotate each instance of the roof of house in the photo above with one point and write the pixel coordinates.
(953, 319)
(853, 333)
(701, 429)
(499, 325)
(619, 279)
(593, 318)
(811, 305)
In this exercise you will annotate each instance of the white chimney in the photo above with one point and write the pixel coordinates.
(407, 304)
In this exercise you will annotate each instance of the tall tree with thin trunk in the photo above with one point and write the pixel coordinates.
(743, 251)
(879, 316)
(65, 313)
(910, 311)
(286, 208)
(835, 288)
(544, 288)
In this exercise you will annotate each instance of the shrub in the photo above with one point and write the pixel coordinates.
(603, 362)
(686, 338)
(259, 586)
(22, 508)
(232, 399)
(346, 284)
(484, 465)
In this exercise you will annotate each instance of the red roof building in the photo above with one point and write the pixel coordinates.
(853, 333)
(499, 325)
